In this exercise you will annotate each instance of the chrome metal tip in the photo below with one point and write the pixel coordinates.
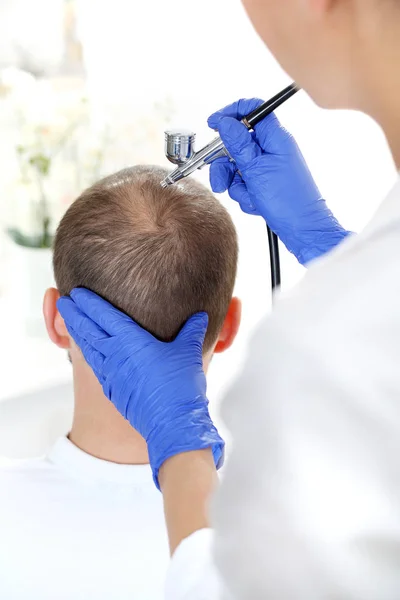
(166, 182)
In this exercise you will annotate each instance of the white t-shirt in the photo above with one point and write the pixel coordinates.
(78, 528)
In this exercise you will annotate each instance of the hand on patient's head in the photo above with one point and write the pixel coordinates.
(159, 387)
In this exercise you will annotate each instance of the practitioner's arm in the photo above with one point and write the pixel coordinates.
(187, 482)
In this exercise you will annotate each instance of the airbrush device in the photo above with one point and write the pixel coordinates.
(180, 145)
(180, 150)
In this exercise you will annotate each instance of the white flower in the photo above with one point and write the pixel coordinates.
(17, 82)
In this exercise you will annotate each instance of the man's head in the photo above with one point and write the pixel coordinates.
(159, 255)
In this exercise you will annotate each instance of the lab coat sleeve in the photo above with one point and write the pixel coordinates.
(192, 574)
(309, 504)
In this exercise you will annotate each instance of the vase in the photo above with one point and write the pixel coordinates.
(30, 274)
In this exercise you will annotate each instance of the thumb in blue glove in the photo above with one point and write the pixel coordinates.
(274, 182)
(160, 388)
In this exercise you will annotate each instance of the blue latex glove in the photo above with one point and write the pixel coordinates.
(160, 388)
(274, 182)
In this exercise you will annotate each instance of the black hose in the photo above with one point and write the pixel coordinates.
(274, 259)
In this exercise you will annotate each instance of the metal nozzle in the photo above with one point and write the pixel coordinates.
(167, 182)
(173, 177)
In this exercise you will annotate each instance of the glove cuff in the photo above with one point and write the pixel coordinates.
(325, 242)
(190, 432)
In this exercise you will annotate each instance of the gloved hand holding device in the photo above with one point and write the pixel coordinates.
(160, 388)
(274, 182)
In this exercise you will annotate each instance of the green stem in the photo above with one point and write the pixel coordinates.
(64, 138)
(44, 213)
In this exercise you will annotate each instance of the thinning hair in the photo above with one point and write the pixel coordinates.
(159, 255)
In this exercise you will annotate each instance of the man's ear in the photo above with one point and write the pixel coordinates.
(230, 327)
(55, 325)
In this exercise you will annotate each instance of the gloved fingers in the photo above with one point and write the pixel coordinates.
(236, 110)
(239, 142)
(93, 358)
(222, 172)
(77, 320)
(121, 385)
(194, 330)
(238, 192)
(101, 312)
(111, 320)
(273, 137)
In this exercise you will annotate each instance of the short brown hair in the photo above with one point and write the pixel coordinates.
(159, 255)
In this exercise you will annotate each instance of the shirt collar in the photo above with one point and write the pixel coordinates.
(68, 457)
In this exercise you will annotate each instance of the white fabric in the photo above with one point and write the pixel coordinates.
(310, 503)
(73, 527)
(191, 565)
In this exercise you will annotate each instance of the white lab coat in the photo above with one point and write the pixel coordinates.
(309, 508)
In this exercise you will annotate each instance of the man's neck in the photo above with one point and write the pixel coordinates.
(98, 428)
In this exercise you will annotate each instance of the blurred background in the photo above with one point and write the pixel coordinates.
(88, 87)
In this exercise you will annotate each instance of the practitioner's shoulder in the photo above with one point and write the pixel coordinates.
(343, 315)
(353, 291)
